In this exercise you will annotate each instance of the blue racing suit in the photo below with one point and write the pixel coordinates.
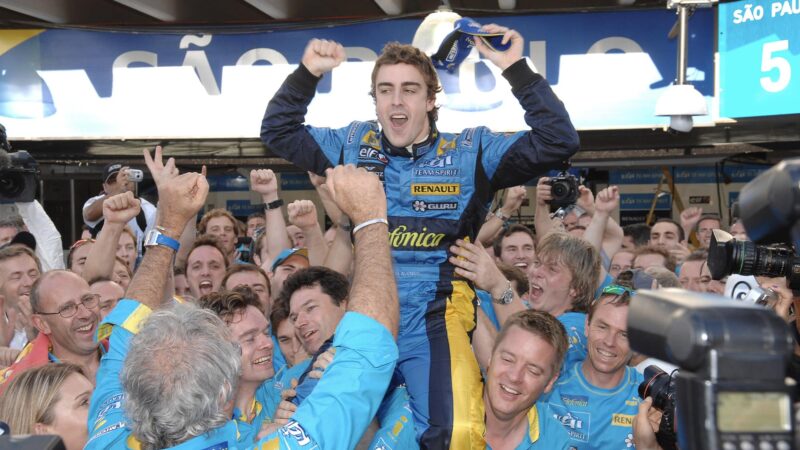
(437, 191)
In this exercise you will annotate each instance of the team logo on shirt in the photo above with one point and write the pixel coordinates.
(575, 423)
(371, 153)
(622, 420)
(422, 206)
(575, 400)
(435, 189)
(296, 431)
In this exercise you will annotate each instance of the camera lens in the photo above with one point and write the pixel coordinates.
(656, 384)
(560, 190)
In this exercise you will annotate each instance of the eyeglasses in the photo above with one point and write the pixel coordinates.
(88, 301)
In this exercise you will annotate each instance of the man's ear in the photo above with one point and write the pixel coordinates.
(40, 324)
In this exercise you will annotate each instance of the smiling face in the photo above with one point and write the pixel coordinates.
(402, 104)
(517, 250)
(205, 269)
(70, 336)
(17, 275)
(252, 332)
(608, 349)
(315, 316)
(521, 369)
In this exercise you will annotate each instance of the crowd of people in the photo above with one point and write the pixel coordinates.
(423, 317)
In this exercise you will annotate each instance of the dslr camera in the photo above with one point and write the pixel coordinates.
(19, 173)
(564, 190)
(731, 391)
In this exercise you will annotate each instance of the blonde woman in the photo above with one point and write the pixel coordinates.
(52, 399)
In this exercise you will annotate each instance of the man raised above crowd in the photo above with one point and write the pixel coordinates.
(439, 187)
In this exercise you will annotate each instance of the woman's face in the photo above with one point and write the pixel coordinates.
(71, 412)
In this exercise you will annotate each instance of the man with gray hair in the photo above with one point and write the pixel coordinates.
(179, 366)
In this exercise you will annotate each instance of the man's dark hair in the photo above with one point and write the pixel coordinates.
(397, 53)
(229, 305)
(639, 232)
(210, 241)
(514, 228)
(681, 235)
(330, 282)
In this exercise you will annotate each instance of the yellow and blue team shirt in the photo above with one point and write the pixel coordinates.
(596, 418)
(544, 432)
(365, 360)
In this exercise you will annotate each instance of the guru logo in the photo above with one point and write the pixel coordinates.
(435, 189)
(422, 206)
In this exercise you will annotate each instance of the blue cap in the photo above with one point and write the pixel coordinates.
(456, 46)
(288, 253)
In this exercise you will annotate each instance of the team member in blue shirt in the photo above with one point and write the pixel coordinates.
(596, 400)
(158, 389)
(562, 282)
(525, 364)
(256, 398)
(439, 187)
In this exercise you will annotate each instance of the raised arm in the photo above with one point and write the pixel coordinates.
(512, 201)
(180, 198)
(360, 195)
(117, 211)
(303, 214)
(265, 182)
(282, 129)
(551, 140)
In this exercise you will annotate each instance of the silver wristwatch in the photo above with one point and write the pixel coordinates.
(506, 297)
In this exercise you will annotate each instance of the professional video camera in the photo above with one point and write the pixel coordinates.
(731, 391)
(769, 208)
(19, 172)
(564, 190)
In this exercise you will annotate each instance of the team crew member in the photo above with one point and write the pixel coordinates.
(596, 400)
(439, 187)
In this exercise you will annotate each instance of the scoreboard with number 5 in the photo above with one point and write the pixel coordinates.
(759, 58)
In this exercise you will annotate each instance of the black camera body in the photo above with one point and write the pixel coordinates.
(564, 189)
(19, 179)
(245, 247)
(662, 387)
(731, 391)
(19, 173)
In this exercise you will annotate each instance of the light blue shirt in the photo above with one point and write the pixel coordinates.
(596, 418)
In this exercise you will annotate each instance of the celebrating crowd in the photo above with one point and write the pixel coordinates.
(423, 317)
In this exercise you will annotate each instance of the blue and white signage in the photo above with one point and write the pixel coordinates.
(759, 58)
(608, 68)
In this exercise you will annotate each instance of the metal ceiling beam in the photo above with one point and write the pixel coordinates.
(54, 11)
(391, 7)
(164, 10)
(277, 9)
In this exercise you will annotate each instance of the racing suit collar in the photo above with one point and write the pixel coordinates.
(416, 149)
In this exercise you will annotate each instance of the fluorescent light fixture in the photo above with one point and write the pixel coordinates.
(507, 4)
(680, 102)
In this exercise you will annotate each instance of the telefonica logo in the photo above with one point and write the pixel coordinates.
(401, 237)
(435, 189)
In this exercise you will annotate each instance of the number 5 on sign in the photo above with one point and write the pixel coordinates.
(770, 62)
